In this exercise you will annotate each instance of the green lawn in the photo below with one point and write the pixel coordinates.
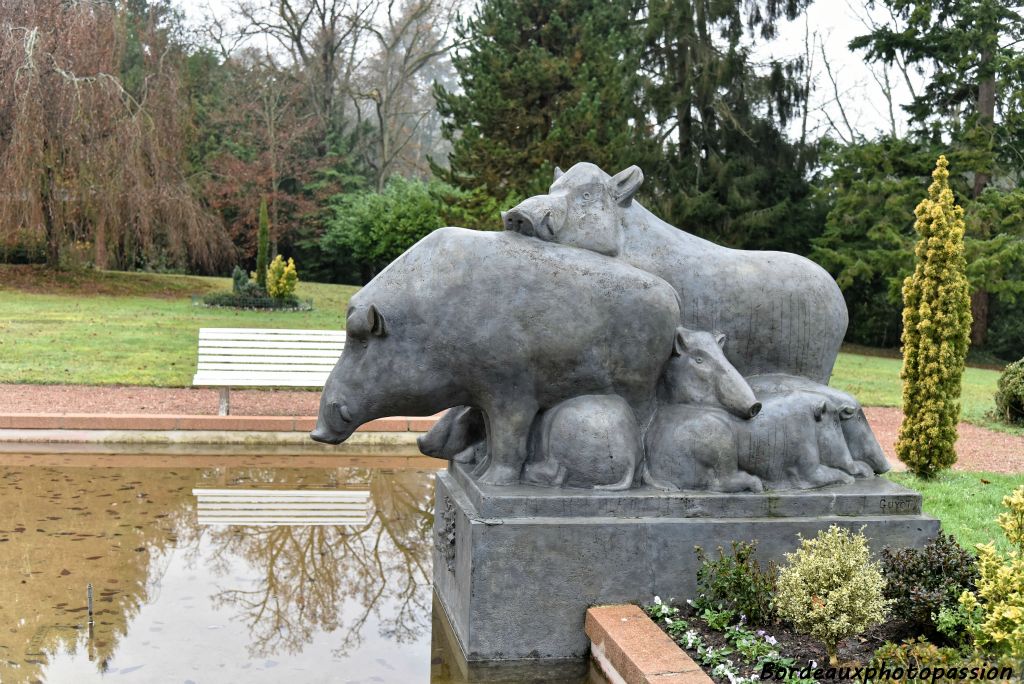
(875, 381)
(146, 336)
(966, 503)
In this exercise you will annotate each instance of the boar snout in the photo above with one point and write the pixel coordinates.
(755, 408)
(519, 221)
(333, 425)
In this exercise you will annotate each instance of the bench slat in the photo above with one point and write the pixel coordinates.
(346, 494)
(272, 344)
(335, 339)
(274, 354)
(268, 367)
(279, 522)
(225, 379)
(283, 508)
(270, 331)
(284, 362)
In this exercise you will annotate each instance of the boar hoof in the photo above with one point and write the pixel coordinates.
(500, 474)
(861, 469)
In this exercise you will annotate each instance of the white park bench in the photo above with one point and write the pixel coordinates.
(265, 357)
(262, 507)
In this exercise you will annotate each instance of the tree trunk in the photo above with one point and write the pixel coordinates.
(986, 115)
(53, 237)
(979, 312)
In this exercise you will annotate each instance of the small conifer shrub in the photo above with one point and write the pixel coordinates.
(830, 588)
(282, 278)
(936, 332)
(1010, 393)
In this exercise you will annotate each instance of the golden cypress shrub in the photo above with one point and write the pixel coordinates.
(282, 278)
(936, 332)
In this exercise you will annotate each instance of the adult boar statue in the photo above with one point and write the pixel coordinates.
(780, 313)
(506, 324)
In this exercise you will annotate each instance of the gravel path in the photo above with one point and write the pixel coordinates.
(977, 448)
(162, 400)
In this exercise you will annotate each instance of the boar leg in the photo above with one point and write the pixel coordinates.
(508, 432)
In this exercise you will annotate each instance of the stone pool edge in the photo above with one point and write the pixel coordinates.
(183, 429)
(629, 648)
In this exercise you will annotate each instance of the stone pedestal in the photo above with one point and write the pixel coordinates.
(515, 568)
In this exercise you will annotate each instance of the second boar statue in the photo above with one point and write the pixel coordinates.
(781, 313)
(503, 323)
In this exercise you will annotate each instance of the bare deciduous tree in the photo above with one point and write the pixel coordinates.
(412, 42)
(82, 159)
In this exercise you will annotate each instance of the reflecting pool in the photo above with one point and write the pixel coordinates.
(222, 569)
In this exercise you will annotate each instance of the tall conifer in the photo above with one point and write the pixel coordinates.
(936, 332)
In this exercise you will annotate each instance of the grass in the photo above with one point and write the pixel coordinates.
(966, 503)
(875, 381)
(126, 328)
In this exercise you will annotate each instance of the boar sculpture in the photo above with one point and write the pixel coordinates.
(592, 345)
(503, 323)
(780, 312)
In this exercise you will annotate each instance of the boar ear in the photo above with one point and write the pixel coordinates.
(624, 185)
(558, 173)
(375, 319)
(819, 411)
(679, 346)
(720, 339)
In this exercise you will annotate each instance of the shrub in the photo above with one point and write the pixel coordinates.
(914, 653)
(921, 582)
(736, 583)
(263, 245)
(830, 588)
(998, 604)
(1010, 393)
(282, 278)
(936, 332)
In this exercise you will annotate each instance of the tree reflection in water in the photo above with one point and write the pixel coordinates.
(118, 528)
(334, 578)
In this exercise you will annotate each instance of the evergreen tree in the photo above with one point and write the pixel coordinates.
(726, 169)
(936, 332)
(544, 83)
(263, 245)
(972, 100)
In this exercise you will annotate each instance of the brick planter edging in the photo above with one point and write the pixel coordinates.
(105, 421)
(630, 649)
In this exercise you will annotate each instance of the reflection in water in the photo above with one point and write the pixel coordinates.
(307, 571)
(178, 602)
(171, 596)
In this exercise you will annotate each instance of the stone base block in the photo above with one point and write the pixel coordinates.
(515, 568)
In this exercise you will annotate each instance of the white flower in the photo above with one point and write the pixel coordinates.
(657, 600)
(771, 640)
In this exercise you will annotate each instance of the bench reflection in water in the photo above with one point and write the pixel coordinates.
(272, 507)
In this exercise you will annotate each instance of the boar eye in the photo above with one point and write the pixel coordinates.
(698, 359)
(586, 195)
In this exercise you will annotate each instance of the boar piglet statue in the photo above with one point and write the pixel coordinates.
(781, 313)
(505, 324)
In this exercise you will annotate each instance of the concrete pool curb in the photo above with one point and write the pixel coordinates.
(181, 429)
(630, 649)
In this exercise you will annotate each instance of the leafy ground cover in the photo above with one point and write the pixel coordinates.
(102, 328)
